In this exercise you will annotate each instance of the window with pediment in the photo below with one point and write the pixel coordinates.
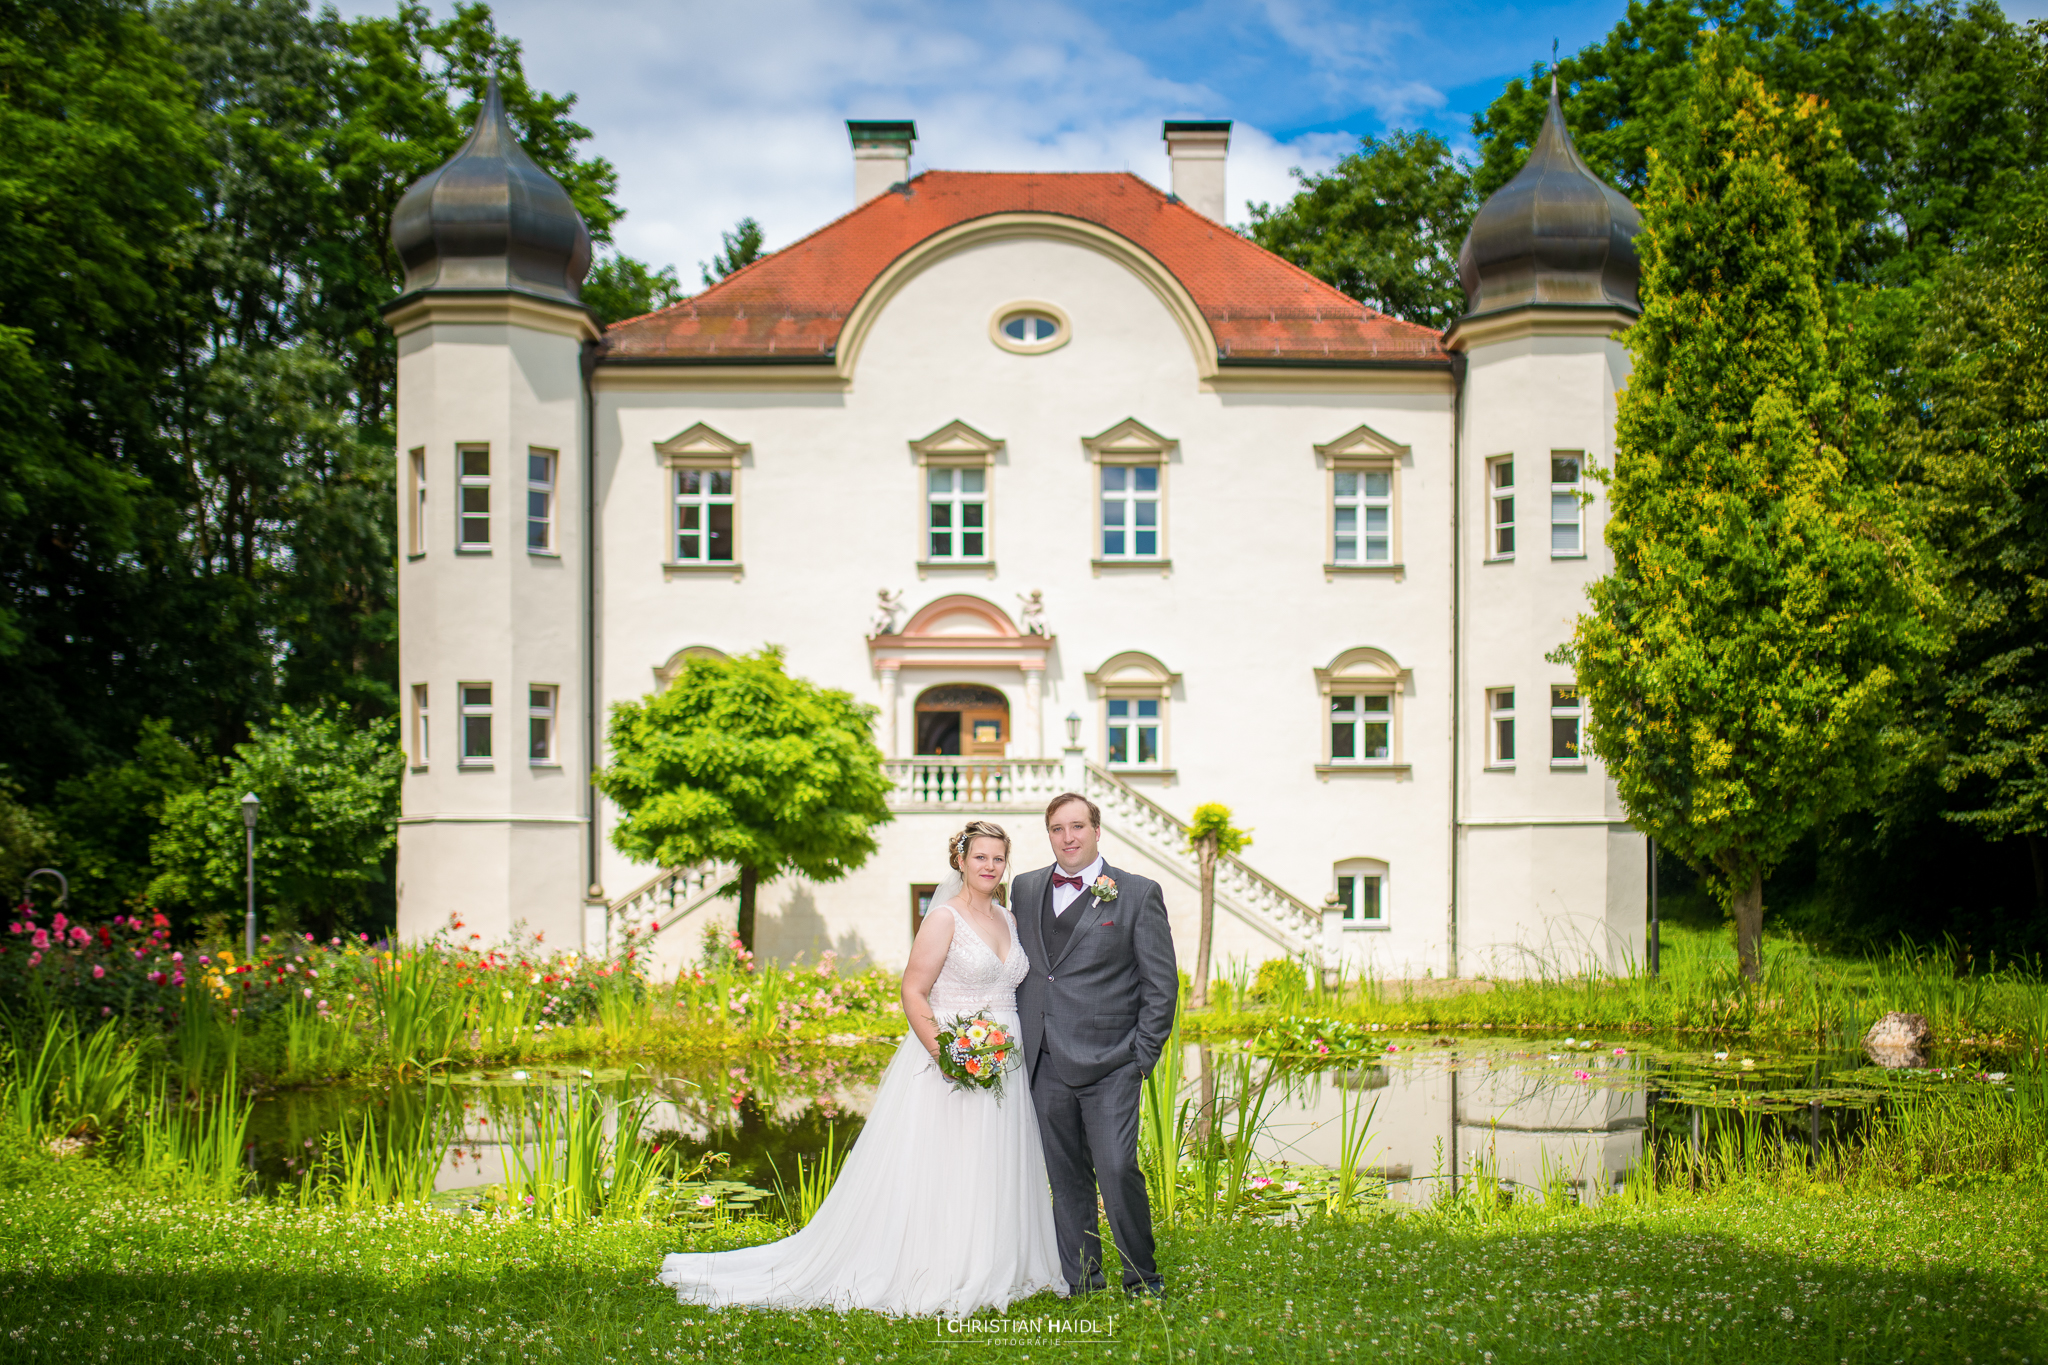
(1361, 699)
(703, 505)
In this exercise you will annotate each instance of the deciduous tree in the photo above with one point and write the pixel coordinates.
(1383, 226)
(1984, 454)
(739, 763)
(329, 788)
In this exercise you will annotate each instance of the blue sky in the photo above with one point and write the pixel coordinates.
(714, 111)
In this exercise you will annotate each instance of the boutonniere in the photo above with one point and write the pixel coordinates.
(1104, 888)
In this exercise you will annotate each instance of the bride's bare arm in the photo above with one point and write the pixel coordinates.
(927, 956)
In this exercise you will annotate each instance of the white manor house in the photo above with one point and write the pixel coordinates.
(1082, 490)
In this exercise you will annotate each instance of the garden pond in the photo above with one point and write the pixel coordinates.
(1558, 1113)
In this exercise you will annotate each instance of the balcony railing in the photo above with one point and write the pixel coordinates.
(932, 783)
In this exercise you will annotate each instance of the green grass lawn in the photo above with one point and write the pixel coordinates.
(93, 1273)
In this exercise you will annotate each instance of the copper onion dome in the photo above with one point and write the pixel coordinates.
(1556, 235)
(490, 219)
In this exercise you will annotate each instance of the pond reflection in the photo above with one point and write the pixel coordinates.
(1567, 1116)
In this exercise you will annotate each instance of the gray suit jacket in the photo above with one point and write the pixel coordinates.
(1109, 998)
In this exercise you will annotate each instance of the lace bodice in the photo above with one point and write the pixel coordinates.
(973, 977)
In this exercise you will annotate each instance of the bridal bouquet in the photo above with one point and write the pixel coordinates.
(973, 1052)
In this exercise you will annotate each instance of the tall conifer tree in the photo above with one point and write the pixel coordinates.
(1741, 659)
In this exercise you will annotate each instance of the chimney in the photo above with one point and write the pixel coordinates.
(1197, 150)
(881, 156)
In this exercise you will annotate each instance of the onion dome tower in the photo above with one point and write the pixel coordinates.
(493, 617)
(1556, 235)
(489, 218)
(1550, 275)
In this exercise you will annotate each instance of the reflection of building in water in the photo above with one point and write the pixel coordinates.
(1474, 1117)
(1302, 557)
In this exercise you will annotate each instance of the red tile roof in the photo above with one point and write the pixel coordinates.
(791, 306)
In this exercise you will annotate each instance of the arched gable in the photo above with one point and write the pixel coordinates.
(1007, 226)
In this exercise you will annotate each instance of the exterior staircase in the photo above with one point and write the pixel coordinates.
(1006, 786)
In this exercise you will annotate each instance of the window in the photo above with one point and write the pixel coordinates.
(476, 723)
(1134, 688)
(1500, 706)
(419, 725)
(1130, 511)
(540, 724)
(1364, 516)
(1500, 482)
(1567, 508)
(1361, 701)
(957, 516)
(921, 894)
(540, 501)
(1565, 713)
(1361, 895)
(473, 466)
(1134, 730)
(1361, 727)
(1029, 328)
(416, 501)
(703, 516)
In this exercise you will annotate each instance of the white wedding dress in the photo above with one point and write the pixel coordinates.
(942, 1206)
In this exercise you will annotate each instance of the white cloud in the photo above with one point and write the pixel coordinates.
(715, 112)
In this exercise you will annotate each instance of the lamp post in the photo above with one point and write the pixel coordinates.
(1072, 770)
(249, 806)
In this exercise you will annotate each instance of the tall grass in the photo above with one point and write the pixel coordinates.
(421, 1018)
(1163, 1125)
(574, 1156)
(395, 1158)
(193, 1150)
(62, 1079)
(1800, 994)
(814, 1180)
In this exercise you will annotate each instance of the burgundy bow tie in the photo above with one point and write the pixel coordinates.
(1061, 879)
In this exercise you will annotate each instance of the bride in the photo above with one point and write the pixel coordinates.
(942, 1205)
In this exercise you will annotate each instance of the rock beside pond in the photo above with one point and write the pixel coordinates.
(1898, 1040)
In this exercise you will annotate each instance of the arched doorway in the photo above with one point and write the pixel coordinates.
(963, 720)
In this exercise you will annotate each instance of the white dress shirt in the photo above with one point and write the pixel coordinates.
(1064, 896)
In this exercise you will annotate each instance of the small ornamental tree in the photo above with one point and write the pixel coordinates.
(1742, 658)
(1211, 836)
(739, 763)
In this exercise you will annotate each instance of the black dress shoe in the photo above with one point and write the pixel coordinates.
(1146, 1291)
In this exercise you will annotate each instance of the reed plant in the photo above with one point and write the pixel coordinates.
(814, 1180)
(1354, 1138)
(1164, 1123)
(421, 1018)
(61, 1079)
(575, 1157)
(193, 1150)
(1800, 995)
(387, 1159)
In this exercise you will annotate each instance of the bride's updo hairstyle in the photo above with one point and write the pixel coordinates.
(956, 848)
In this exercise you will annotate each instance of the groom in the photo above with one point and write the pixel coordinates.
(1097, 1006)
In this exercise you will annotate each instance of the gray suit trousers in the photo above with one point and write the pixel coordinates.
(1090, 1135)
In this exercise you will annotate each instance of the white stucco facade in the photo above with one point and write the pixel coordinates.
(1248, 632)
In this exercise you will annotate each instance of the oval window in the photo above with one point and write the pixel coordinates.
(1029, 327)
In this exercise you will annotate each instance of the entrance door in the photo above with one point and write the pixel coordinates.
(984, 733)
(962, 720)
